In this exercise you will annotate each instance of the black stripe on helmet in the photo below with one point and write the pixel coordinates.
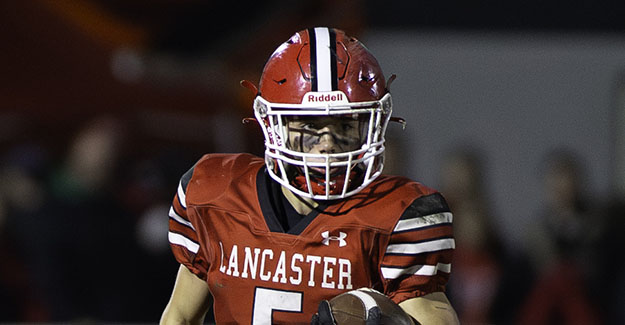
(333, 58)
(313, 58)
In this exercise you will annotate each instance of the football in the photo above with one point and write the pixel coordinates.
(353, 307)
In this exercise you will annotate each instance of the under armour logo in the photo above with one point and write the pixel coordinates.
(327, 238)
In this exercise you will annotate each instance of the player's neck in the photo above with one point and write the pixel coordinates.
(302, 205)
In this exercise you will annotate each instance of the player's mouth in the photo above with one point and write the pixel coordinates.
(321, 171)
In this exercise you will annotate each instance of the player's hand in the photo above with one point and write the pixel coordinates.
(324, 315)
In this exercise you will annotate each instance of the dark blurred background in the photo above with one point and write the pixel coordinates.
(515, 111)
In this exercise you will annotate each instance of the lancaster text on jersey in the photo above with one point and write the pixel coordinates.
(254, 263)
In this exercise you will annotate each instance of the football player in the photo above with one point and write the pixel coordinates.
(267, 240)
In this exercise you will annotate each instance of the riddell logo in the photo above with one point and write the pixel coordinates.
(325, 97)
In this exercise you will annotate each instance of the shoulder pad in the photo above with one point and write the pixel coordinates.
(215, 174)
(426, 205)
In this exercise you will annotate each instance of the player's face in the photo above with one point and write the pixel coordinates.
(326, 134)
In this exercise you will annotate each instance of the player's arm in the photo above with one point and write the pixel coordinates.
(189, 301)
(433, 308)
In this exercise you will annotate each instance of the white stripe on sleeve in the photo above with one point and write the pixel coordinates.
(426, 270)
(182, 196)
(178, 239)
(429, 220)
(179, 219)
(424, 247)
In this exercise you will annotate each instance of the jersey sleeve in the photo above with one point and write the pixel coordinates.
(183, 237)
(417, 260)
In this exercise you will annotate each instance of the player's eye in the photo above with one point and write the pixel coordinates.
(347, 126)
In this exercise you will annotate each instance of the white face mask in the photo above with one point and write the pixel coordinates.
(324, 151)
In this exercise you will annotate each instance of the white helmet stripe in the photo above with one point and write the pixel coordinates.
(323, 62)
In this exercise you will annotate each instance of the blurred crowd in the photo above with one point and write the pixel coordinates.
(83, 230)
(568, 269)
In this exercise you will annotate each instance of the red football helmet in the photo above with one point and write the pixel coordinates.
(323, 73)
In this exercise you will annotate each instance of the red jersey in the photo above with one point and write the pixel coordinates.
(394, 236)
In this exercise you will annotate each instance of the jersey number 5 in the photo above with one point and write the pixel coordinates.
(267, 300)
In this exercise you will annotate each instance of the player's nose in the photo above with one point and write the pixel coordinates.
(327, 142)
